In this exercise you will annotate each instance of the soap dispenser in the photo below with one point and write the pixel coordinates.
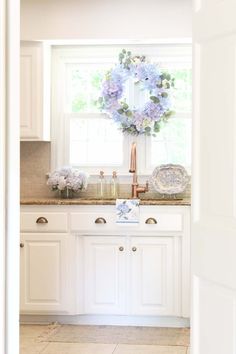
(101, 186)
(114, 186)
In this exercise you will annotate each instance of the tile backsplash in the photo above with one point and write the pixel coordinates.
(35, 160)
(34, 165)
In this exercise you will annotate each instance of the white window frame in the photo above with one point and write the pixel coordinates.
(63, 55)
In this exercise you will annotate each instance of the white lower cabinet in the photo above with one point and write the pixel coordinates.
(132, 275)
(104, 275)
(73, 265)
(44, 273)
(154, 276)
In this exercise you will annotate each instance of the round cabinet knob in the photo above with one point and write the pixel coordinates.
(121, 249)
(41, 220)
(134, 249)
(22, 245)
(151, 221)
(100, 221)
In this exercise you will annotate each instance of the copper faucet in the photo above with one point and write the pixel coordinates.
(133, 169)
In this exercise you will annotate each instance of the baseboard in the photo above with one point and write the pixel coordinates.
(152, 321)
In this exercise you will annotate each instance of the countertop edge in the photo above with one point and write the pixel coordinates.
(80, 201)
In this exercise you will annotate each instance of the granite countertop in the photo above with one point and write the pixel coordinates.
(91, 201)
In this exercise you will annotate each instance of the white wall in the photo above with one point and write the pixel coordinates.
(105, 19)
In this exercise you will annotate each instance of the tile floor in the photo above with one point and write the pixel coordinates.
(30, 344)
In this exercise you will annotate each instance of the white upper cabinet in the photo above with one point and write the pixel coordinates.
(35, 91)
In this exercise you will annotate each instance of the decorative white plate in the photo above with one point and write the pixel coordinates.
(169, 179)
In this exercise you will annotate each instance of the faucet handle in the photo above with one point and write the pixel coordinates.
(147, 186)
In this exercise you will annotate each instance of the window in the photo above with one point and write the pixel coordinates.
(173, 142)
(86, 138)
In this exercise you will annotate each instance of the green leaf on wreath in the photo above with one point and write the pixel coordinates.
(147, 129)
(164, 94)
(125, 105)
(168, 77)
(167, 115)
(156, 127)
(155, 99)
(163, 76)
(128, 113)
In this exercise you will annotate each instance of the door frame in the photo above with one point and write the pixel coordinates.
(9, 175)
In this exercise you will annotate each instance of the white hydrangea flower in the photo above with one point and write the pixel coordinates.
(53, 179)
(61, 183)
(67, 177)
(66, 171)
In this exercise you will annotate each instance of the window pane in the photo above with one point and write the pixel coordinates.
(84, 86)
(182, 92)
(95, 142)
(182, 95)
(172, 144)
(78, 153)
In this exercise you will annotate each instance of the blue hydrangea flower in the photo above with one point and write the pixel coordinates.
(119, 74)
(148, 74)
(112, 89)
(153, 111)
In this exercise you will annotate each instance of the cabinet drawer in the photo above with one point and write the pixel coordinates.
(161, 221)
(44, 222)
(86, 221)
(90, 221)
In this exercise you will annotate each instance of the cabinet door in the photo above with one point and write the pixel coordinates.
(45, 281)
(105, 275)
(31, 90)
(155, 278)
(35, 91)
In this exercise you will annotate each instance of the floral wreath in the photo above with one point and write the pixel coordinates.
(148, 76)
